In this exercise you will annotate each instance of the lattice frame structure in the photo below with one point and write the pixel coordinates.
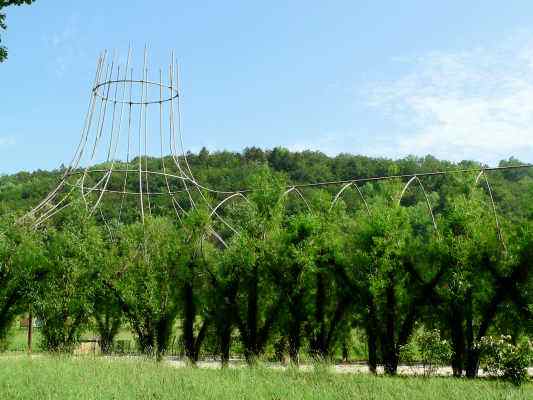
(128, 112)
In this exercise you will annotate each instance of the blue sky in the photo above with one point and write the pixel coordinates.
(382, 78)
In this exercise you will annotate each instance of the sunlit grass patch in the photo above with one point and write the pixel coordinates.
(46, 377)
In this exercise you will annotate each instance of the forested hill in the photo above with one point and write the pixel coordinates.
(225, 170)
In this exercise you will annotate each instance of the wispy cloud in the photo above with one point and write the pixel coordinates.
(474, 104)
(64, 44)
(7, 141)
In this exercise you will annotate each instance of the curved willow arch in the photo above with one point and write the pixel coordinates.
(238, 194)
(103, 131)
(216, 235)
(300, 194)
(113, 116)
(340, 192)
(493, 205)
(428, 204)
(217, 215)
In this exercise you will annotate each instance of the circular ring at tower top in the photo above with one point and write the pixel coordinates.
(127, 87)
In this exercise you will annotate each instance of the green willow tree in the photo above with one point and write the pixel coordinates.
(224, 279)
(482, 276)
(391, 275)
(22, 262)
(243, 290)
(63, 300)
(330, 298)
(107, 313)
(196, 308)
(259, 304)
(292, 272)
(144, 281)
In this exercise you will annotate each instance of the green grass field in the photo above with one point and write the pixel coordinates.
(99, 378)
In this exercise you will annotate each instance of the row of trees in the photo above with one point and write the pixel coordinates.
(273, 269)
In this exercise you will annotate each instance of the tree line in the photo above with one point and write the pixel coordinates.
(275, 270)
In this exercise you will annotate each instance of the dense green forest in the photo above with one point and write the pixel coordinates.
(229, 171)
(278, 271)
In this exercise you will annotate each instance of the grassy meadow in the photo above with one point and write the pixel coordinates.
(44, 377)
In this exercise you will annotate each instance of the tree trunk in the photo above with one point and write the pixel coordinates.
(372, 336)
(390, 364)
(472, 362)
(472, 355)
(345, 352)
(280, 347)
(335, 322)
(295, 326)
(389, 350)
(199, 340)
(146, 341)
(188, 322)
(318, 342)
(163, 333)
(106, 341)
(225, 343)
(108, 327)
(225, 320)
(251, 344)
(456, 319)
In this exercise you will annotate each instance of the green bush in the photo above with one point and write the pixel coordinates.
(434, 351)
(505, 359)
(58, 336)
(428, 349)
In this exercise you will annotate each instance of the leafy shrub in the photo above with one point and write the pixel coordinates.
(428, 349)
(434, 351)
(409, 353)
(59, 336)
(505, 359)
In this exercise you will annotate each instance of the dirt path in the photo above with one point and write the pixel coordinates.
(345, 368)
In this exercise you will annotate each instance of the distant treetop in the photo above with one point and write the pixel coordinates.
(3, 25)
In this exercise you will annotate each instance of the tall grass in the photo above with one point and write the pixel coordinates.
(44, 377)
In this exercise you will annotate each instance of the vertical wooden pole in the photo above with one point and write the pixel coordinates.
(30, 330)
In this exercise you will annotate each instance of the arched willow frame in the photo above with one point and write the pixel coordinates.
(132, 114)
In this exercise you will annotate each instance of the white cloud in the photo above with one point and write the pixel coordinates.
(475, 104)
(64, 44)
(7, 141)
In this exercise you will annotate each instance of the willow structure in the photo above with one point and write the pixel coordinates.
(129, 117)
(134, 114)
